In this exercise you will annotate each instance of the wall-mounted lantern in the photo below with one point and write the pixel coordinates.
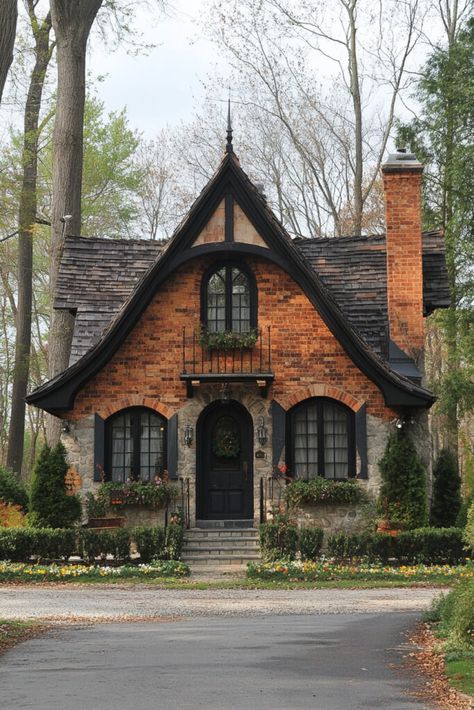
(188, 434)
(262, 433)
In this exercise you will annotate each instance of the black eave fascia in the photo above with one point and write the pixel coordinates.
(58, 395)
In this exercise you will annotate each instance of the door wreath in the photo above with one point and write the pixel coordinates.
(226, 444)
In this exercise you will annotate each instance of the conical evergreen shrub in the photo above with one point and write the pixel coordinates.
(446, 500)
(50, 505)
(402, 496)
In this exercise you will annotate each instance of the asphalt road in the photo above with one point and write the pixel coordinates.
(324, 662)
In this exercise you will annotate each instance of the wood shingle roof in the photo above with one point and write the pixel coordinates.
(98, 275)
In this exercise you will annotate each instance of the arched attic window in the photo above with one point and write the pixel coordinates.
(135, 445)
(229, 299)
(321, 440)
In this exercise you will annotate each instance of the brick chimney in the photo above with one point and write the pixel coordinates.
(402, 188)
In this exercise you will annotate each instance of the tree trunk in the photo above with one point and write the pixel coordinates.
(357, 205)
(26, 222)
(72, 22)
(8, 16)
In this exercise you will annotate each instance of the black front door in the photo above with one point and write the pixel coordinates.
(225, 480)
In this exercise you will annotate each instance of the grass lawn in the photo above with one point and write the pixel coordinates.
(460, 671)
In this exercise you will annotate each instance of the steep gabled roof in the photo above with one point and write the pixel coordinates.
(58, 394)
(97, 275)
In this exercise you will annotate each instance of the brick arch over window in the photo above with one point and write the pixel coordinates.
(136, 401)
(319, 389)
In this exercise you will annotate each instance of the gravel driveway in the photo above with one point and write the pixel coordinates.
(129, 602)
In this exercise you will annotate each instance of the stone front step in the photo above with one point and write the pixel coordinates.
(208, 550)
(229, 524)
(198, 561)
(222, 542)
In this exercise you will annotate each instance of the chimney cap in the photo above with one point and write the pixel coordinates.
(402, 161)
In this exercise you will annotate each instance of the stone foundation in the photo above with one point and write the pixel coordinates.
(79, 443)
(331, 518)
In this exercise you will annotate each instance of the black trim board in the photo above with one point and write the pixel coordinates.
(58, 395)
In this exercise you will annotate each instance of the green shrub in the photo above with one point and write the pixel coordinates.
(53, 544)
(121, 544)
(16, 544)
(150, 542)
(50, 505)
(20, 544)
(468, 484)
(310, 542)
(322, 490)
(425, 545)
(468, 535)
(430, 546)
(11, 489)
(402, 497)
(446, 502)
(278, 540)
(95, 506)
(174, 541)
(456, 614)
(100, 543)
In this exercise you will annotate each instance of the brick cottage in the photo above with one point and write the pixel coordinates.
(233, 348)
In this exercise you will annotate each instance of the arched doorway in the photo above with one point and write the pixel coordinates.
(224, 463)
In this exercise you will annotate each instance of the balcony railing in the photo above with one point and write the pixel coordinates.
(201, 363)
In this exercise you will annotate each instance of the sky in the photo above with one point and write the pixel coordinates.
(164, 85)
(159, 86)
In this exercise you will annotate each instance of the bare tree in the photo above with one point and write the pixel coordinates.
(281, 50)
(72, 23)
(8, 18)
(43, 50)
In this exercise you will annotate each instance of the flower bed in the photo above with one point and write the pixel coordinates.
(321, 490)
(158, 494)
(326, 571)
(18, 572)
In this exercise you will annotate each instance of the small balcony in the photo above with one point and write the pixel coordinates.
(226, 358)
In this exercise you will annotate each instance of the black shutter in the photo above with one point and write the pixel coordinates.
(278, 431)
(361, 440)
(99, 447)
(172, 447)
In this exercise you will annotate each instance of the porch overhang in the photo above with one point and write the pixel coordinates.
(262, 380)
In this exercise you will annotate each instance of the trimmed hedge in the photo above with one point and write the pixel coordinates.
(310, 542)
(150, 542)
(423, 545)
(158, 543)
(21, 544)
(100, 543)
(282, 541)
(278, 541)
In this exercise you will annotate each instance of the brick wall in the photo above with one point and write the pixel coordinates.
(402, 187)
(146, 368)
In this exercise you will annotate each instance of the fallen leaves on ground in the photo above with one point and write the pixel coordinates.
(429, 662)
(12, 632)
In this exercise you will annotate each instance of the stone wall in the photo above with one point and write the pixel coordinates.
(79, 443)
(331, 518)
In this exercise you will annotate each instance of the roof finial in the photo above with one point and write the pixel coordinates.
(229, 148)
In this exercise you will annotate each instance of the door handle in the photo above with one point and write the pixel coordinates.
(245, 468)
